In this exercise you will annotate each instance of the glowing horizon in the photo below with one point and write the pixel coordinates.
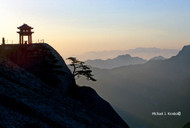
(78, 26)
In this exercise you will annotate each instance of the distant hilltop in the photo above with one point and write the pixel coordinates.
(122, 60)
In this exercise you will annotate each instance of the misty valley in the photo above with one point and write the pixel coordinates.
(138, 90)
(95, 64)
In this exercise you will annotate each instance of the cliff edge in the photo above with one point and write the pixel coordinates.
(37, 90)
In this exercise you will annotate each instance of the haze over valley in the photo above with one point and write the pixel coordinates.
(155, 86)
(145, 53)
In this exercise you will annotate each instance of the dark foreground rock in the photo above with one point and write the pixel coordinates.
(37, 90)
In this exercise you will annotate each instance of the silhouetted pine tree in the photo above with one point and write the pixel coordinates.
(80, 69)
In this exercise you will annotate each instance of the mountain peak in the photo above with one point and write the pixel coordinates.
(185, 52)
(121, 60)
(124, 56)
(158, 58)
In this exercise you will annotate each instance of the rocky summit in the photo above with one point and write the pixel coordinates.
(37, 90)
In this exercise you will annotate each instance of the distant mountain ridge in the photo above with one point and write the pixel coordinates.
(121, 60)
(145, 53)
(158, 58)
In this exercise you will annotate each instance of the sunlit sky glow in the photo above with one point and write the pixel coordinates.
(78, 26)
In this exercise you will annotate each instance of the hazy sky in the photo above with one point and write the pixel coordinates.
(77, 26)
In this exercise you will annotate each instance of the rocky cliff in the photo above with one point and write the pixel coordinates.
(37, 90)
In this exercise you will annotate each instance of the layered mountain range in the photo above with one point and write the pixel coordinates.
(156, 86)
(146, 53)
(121, 60)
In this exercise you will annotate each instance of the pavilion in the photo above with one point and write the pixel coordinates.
(25, 30)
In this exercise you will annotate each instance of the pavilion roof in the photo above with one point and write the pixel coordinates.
(24, 26)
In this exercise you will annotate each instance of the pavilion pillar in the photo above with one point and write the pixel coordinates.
(22, 39)
(31, 38)
(19, 38)
(28, 39)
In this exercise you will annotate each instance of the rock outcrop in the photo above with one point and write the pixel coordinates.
(183, 55)
(37, 90)
(42, 61)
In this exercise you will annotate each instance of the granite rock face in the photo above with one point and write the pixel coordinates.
(37, 90)
(42, 61)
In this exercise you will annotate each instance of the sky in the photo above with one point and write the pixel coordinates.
(78, 26)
